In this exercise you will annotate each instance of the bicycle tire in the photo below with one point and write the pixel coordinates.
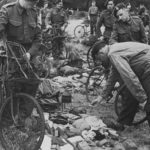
(89, 55)
(117, 111)
(98, 83)
(82, 29)
(39, 110)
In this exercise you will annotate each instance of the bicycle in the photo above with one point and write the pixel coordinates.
(19, 128)
(94, 85)
(94, 88)
(52, 38)
(81, 31)
(95, 82)
(56, 38)
(90, 60)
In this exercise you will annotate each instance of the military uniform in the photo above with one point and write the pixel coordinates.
(21, 26)
(44, 13)
(133, 30)
(130, 65)
(107, 19)
(93, 13)
(56, 16)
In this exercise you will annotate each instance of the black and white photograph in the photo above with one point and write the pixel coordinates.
(74, 74)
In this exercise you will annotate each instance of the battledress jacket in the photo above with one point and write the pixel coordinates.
(107, 19)
(133, 30)
(21, 26)
(131, 62)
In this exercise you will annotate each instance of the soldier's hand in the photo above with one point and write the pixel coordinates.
(27, 56)
(101, 38)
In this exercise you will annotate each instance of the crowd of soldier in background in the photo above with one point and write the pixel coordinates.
(122, 23)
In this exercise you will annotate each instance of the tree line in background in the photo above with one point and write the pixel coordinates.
(84, 4)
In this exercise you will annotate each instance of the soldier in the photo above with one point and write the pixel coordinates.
(107, 19)
(58, 18)
(19, 22)
(130, 65)
(44, 11)
(146, 21)
(127, 28)
(93, 13)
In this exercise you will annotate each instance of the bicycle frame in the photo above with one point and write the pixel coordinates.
(4, 67)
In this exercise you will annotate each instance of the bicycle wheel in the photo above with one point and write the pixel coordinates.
(79, 31)
(140, 116)
(19, 129)
(95, 81)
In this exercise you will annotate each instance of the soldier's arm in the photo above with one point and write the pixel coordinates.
(65, 22)
(126, 73)
(89, 11)
(114, 35)
(142, 31)
(65, 19)
(147, 19)
(36, 41)
(112, 79)
(3, 20)
(99, 24)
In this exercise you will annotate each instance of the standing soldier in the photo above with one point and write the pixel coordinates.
(107, 19)
(19, 21)
(57, 17)
(44, 12)
(146, 20)
(93, 13)
(127, 27)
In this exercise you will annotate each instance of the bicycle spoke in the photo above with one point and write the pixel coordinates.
(94, 83)
(22, 129)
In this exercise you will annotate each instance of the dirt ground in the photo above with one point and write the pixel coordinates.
(139, 134)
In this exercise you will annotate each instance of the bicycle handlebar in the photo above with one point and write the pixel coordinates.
(8, 46)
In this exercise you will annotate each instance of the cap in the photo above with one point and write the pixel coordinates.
(118, 7)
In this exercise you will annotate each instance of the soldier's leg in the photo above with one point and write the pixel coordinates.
(91, 25)
(129, 108)
(27, 105)
(146, 86)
